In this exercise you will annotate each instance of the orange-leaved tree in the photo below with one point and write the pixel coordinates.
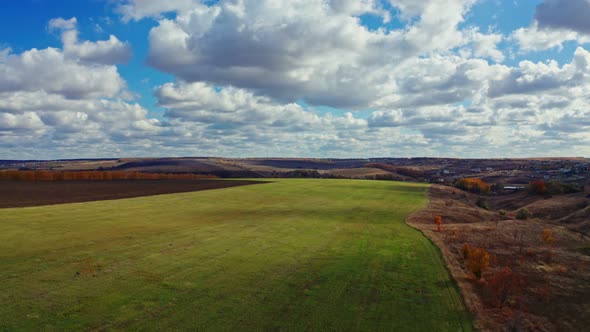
(538, 187)
(478, 260)
(438, 221)
(504, 286)
(547, 236)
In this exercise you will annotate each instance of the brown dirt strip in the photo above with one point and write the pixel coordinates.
(25, 193)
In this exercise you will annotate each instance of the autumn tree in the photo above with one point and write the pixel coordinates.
(547, 236)
(438, 221)
(473, 185)
(504, 286)
(43, 175)
(538, 187)
(478, 260)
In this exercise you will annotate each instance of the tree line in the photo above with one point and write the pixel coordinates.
(95, 175)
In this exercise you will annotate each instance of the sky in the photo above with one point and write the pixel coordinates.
(294, 78)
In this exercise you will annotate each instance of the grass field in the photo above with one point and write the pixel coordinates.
(288, 255)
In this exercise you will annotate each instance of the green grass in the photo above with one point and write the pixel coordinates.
(289, 255)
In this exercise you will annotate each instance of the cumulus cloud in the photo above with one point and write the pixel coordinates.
(62, 24)
(555, 22)
(72, 96)
(138, 9)
(534, 38)
(277, 48)
(564, 14)
(532, 78)
(233, 107)
(252, 78)
(107, 52)
(50, 70)
(485, 45)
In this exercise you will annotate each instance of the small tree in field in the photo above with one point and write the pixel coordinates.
(438, 221)
(538, 187)
(478, 260)
(547, 236)
(548, 239)
(504, 285)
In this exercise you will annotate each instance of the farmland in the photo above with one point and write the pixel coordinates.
(290, 255)
(35, 193)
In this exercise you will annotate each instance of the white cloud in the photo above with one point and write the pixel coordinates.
(62, 24)
(50, 70)
(486, 45)
(534, 38)
(278, 49)
(52, 98)
(106, 52)
(231, 107)
(138, 9)
(241, 67)
(532, 78)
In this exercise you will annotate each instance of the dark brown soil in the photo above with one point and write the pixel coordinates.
(25, 193)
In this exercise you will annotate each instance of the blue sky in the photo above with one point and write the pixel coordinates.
(422, 79)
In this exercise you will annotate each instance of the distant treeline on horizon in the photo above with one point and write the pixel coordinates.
(95, 176)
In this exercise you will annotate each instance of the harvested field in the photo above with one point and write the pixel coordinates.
(24, 193)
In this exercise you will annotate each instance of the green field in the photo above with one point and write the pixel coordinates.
(289, 255)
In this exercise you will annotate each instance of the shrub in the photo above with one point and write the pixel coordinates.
(473, 185)
(482, 203)
(523, 214)
(502, 213)
(571, 188)
(556, 188)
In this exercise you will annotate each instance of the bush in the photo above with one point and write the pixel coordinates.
(556, 188)
(571, 188)
(482, 203)
(502, 213)
(523, 214)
